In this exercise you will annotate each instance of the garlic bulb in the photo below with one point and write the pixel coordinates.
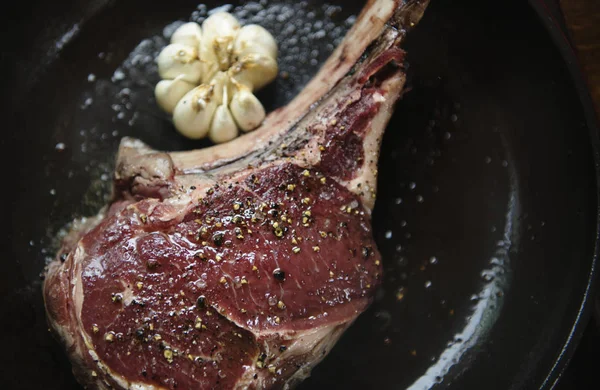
(229, 62)
(179, 60)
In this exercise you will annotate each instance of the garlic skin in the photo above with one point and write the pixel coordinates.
(246, 109)
(189, 34)
(169, 92)
(209, 74)
(194, 112)
(179, 60)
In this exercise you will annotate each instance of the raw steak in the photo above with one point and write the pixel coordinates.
(238, 266)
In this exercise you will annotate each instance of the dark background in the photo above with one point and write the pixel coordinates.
(582, 372)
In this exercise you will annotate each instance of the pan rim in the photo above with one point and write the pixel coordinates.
(558, 34)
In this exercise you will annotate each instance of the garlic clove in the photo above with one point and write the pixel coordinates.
(246, 109)
(253, 38)
(223, 127)
(219, 32)
(189, 34)
(221, 24)
(193, 114)
(179, 60)
(169, 92)
(254, 71)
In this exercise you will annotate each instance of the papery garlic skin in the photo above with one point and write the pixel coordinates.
(189, 34)
(179, 60)
(254, 39)
(194, 112)
(169, 92)
(246, 109)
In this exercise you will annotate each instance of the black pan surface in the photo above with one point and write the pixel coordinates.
(488, 203)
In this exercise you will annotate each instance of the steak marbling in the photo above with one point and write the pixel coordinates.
(238, 266)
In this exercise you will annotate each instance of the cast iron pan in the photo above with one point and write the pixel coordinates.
(487, 213)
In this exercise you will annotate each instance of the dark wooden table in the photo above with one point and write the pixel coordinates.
(582, 18)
